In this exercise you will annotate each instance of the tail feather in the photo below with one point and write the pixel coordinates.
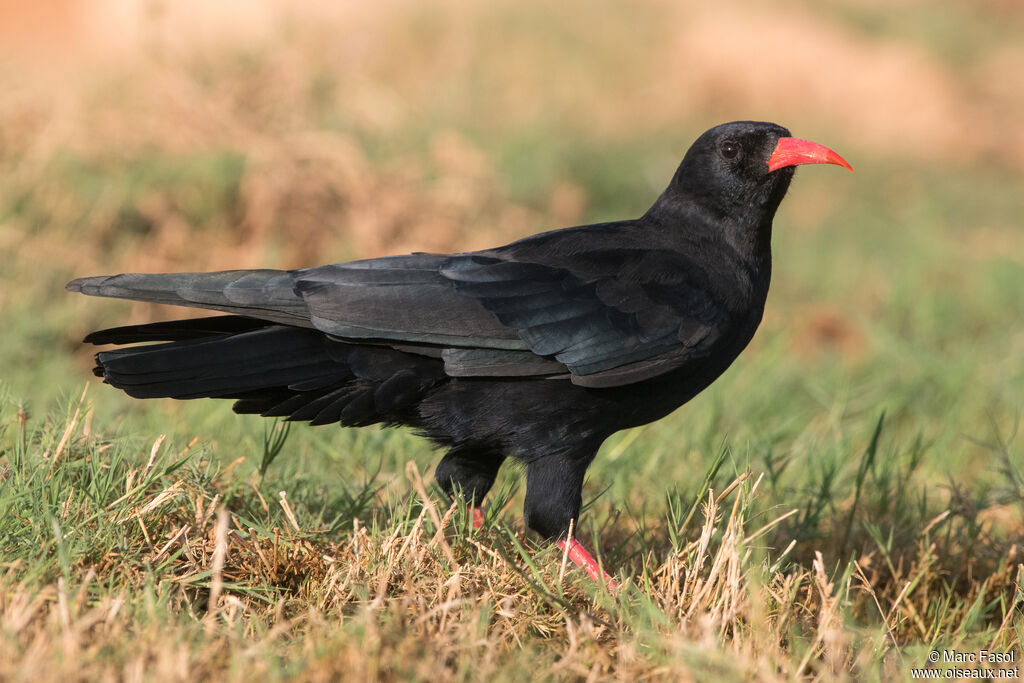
(212, 367)
(269, 369)
(174, 330)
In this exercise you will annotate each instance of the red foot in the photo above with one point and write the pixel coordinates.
(478, 517)
(579, 555)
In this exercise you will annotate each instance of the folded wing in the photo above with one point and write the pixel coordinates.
(602, 318)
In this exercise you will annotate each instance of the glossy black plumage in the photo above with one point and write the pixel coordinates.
(538, 350)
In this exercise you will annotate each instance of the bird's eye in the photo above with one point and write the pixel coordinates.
(729, 149)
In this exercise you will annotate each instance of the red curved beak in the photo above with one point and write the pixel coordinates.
(794, 151)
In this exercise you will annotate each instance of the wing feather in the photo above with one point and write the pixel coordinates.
(540, 307)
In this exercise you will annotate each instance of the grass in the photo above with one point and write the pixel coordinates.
(215, 570)
(846, 499)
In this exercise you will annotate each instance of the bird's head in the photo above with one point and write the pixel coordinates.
(741, 170)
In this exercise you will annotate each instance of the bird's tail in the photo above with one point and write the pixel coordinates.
(269, 369)
(264, 294)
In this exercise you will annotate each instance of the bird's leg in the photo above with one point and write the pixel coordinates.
(554, 494)
(472, 472)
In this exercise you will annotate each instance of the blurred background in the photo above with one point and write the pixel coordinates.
(161, 136)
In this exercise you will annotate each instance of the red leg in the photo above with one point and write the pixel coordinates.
(579, 555)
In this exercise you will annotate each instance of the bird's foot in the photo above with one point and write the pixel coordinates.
(579, 555)
(573, 548)
(477, 515)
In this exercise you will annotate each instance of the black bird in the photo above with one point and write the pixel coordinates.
(537, 350)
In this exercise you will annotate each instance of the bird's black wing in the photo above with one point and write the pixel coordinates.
(402, 299)
(407, 303)
(611, 316)
(605, 317)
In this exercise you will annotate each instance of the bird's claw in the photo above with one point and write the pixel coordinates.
(575, 551)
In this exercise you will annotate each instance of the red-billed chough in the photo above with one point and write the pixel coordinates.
(538, 350)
